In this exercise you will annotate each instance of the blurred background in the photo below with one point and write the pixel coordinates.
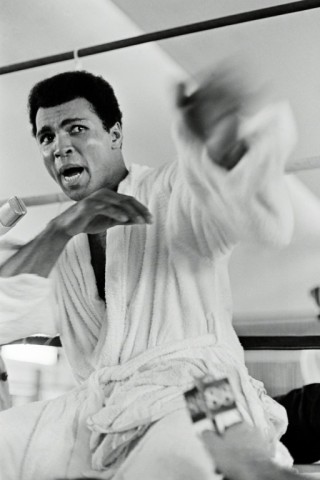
(271, 289)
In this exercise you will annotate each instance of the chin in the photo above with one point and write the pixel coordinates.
(75, 195)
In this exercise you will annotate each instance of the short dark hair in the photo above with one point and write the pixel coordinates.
(68, 86)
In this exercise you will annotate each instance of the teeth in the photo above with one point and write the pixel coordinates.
(72, 178)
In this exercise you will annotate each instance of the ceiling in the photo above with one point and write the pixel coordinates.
(283, 53)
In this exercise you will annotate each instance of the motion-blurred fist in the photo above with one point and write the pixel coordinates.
(212, 113)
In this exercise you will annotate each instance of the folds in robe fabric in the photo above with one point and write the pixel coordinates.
(167, 316)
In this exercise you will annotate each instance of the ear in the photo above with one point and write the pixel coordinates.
(116, 136)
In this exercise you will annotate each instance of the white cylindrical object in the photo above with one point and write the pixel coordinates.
(10, 213)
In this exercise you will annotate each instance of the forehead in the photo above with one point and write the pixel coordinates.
(78, 108)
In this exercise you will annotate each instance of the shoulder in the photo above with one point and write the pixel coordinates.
(148, 181)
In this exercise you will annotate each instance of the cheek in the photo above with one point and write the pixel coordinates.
(49, 166)
(95, 143)
(97, 147)
(97, 156)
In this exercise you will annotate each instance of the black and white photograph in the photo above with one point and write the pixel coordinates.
(159, 239)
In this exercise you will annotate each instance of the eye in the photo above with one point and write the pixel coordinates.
(46, 138)
(77, 129)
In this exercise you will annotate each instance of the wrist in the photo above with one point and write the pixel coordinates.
(262, 469)
(58, 230)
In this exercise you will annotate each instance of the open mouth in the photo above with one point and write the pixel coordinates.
(71, 175)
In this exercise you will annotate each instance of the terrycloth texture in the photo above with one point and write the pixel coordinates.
(27, 303)
(167, 316)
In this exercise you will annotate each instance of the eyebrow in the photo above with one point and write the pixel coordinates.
(65, 122)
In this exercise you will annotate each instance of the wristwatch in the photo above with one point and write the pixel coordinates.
(212, 404)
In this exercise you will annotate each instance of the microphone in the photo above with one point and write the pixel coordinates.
(10, 213)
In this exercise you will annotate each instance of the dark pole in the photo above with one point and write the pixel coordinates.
(236, 19)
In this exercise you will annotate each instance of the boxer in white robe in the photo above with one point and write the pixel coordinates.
(165, 314)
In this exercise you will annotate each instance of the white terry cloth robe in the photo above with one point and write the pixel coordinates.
(167, 318)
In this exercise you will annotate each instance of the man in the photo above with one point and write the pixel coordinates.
(133, 277)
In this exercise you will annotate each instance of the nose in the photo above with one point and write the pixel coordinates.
(63, 146)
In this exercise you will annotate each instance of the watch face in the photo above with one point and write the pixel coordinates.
(214, 400)
(218, 395)
(196, 404)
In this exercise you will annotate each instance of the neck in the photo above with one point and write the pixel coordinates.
(122, 176)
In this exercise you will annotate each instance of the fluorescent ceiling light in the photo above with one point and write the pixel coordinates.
(39, 354)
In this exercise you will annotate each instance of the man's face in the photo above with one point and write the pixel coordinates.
(79, 154)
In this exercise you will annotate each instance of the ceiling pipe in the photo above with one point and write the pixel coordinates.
(263, 13)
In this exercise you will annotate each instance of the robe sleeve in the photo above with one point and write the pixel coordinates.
(212, 208)
(27, 303)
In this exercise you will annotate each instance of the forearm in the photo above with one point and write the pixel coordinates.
(39, 255)
(242, 453)
(250, 201)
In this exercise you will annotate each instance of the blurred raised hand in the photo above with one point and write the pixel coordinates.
(213, 110)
